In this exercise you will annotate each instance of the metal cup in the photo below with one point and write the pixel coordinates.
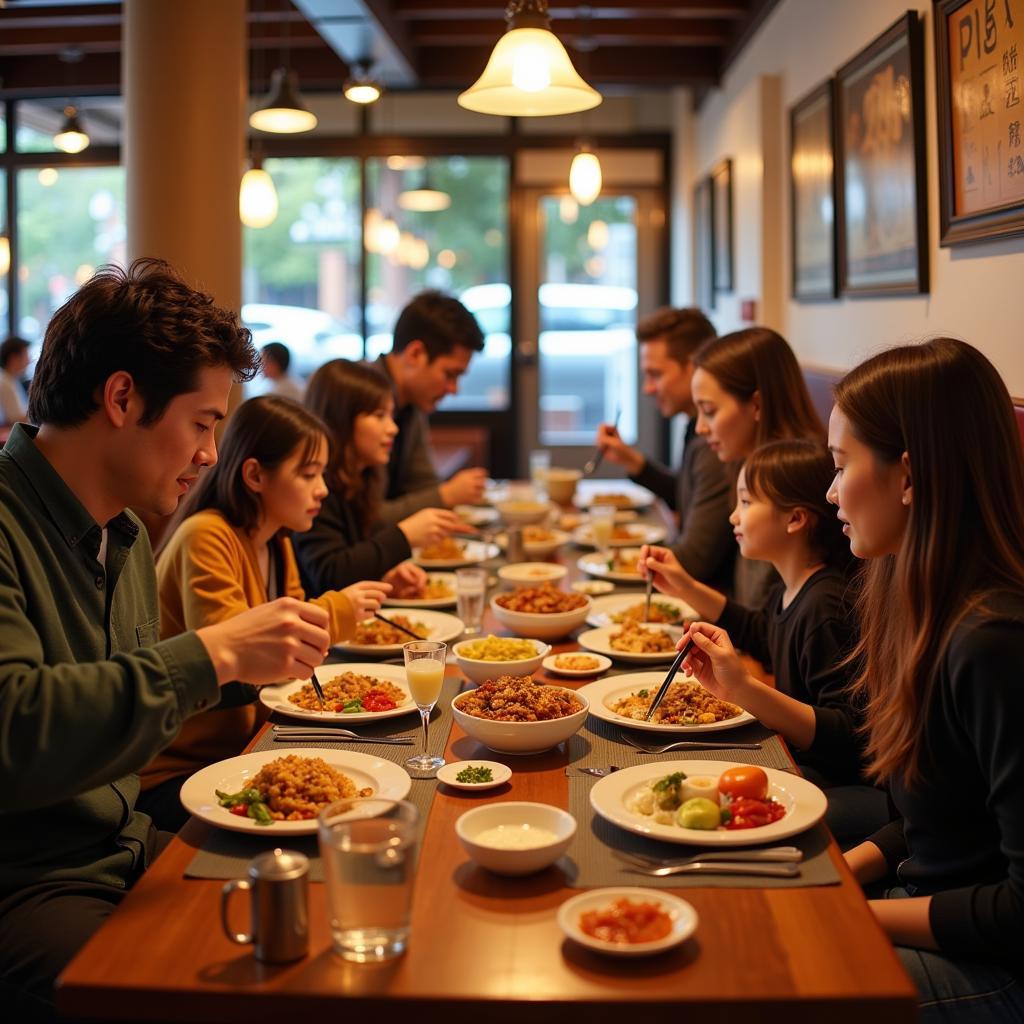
(514, 545)
(278, 887)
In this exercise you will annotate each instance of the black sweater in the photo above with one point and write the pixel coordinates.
(335, 554)
(804, 644)
(961, 837)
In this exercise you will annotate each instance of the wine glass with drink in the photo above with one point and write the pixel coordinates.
(424, 672)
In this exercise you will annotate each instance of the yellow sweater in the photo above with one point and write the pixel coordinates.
(208, 572)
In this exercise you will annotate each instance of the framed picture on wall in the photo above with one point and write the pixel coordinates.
(979, 75)
(703, 245)
(880, 166)
(812, 195)
(721, 211)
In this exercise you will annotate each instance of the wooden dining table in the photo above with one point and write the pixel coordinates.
(487, 949)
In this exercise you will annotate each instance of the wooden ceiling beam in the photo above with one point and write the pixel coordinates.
(433, 10)
(620, 32)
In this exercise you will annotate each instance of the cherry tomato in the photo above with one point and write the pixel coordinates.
(747, 781)
(240, 809)
(377, 700)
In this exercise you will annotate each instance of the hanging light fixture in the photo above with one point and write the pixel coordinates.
(585, 176)
(283, 111)
(257, 196)
(72, 137)
(425, 198)
(362, 87)
(529, 73)
(5, 255)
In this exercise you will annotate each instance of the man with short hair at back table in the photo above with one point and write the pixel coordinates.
(434, 339)
(133, 377)
(700, 492)
(14, 360)
(275, 359)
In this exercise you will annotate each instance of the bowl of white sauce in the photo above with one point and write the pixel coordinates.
(515, 837)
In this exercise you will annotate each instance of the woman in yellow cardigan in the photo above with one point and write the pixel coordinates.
(232, 551)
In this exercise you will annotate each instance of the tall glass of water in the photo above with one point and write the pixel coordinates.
(602, 520)
(368, 848)
(424, 672)
(540, 463)
(470, 591)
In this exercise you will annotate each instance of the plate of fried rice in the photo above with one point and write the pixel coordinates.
(295, 784)
(633, 641)
(356, 692)
(687, 707)
(375, 638)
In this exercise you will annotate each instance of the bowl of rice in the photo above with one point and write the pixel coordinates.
(514, 715)
(481, 659)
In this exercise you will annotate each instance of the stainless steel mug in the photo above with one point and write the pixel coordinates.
(278, 887)
(514, 544)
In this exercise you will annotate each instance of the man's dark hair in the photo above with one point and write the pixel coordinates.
(683, 330)
(145, 321)
(278, 353)
(11, 347)
(440, 322)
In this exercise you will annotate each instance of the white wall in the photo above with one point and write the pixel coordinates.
(974, 289)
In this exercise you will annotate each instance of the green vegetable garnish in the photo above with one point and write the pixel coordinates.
(475, 773)
(352, 707)
(669, 782)
(260, 813)
(643, 693)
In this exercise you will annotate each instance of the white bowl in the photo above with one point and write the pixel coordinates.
(523, 510)
(522, 737)
(543, 626)
(592, 587)
(531, 574)
(562, 484)
(480, 671)
(515, 814)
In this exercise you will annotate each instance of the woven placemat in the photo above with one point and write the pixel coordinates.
(598, 745)
(225, 854)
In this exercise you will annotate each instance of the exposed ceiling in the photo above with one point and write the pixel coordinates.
(416, 44)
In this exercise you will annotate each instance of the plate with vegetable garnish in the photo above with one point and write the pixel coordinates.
(708, 803)
(474, 774)
(280, 792)
(355, 692)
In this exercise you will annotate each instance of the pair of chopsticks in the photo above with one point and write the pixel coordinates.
(590, 466)
(390, 622)
(663, 689)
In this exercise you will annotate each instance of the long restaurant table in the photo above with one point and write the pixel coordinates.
(487, 948)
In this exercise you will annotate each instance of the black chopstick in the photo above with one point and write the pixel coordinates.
(391, 622)
(663, 689)
(318, 689)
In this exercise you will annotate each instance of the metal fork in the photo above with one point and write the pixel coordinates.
(706, 866)
(770, 854)
(292, 733)
(686, 745)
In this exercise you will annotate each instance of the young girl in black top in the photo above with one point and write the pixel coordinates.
(803, 633)
(930, 484)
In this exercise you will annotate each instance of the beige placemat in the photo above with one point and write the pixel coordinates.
(225, 854)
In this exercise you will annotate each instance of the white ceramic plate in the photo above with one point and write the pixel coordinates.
(440, 626)
(198, 795)
(551, 664)
(428, 602)
(639, 533)
(606, 692)
(684, 919)
(475, 551)
(586, 490)
(501, 774)
(276, 697)
(805, 805)
(603, 608)
(594, 565)
(476, 515)
(599, 641)
(537, 549)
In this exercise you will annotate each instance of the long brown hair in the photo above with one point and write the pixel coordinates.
(269, 429)
(946, 407)
(796, 474)
(339, 392)
(759, 359)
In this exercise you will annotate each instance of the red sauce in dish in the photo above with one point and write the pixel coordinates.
(627, 922)
(754, 813)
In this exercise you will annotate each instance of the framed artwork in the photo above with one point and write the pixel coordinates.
(812, 195)
(703, 245)
(721, 212)
(979, 75)
(880, 167)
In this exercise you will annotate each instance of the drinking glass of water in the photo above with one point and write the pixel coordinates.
(540, 463)
(470, 590)
(602, 520)
(424, 671)
(368, 847)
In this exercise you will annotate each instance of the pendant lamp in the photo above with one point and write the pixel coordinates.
(257, 196)
(425, 198)
(529, 73)
(283, 111)
(585, 176)
(361, 86)
(72, 137)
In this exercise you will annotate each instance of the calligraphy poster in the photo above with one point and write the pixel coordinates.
(980, 64)
(883, 246)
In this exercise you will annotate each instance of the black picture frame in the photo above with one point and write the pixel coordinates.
(812, 192)
(703, 244)
(981, 145)
(881, 184)
(722, 232)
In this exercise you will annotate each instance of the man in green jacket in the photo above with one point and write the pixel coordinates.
(134, 374)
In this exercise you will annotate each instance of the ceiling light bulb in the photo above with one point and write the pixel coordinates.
(257, 198)
(72, 137)
(364, 92)
(585, 177)
(283, 111)
(530, 68)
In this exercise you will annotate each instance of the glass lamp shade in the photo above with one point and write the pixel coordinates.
(529, 75)
(362, 92)
(257, 199)
(585, 177)
(283, 111)
(5, 254)
(72, 137)
(424, 199)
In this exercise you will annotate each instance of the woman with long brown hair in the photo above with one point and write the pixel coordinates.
(930, 487)
(748, 390)
(347, 543)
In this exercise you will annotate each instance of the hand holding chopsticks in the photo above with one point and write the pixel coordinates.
(663, 689)
(590, 466)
